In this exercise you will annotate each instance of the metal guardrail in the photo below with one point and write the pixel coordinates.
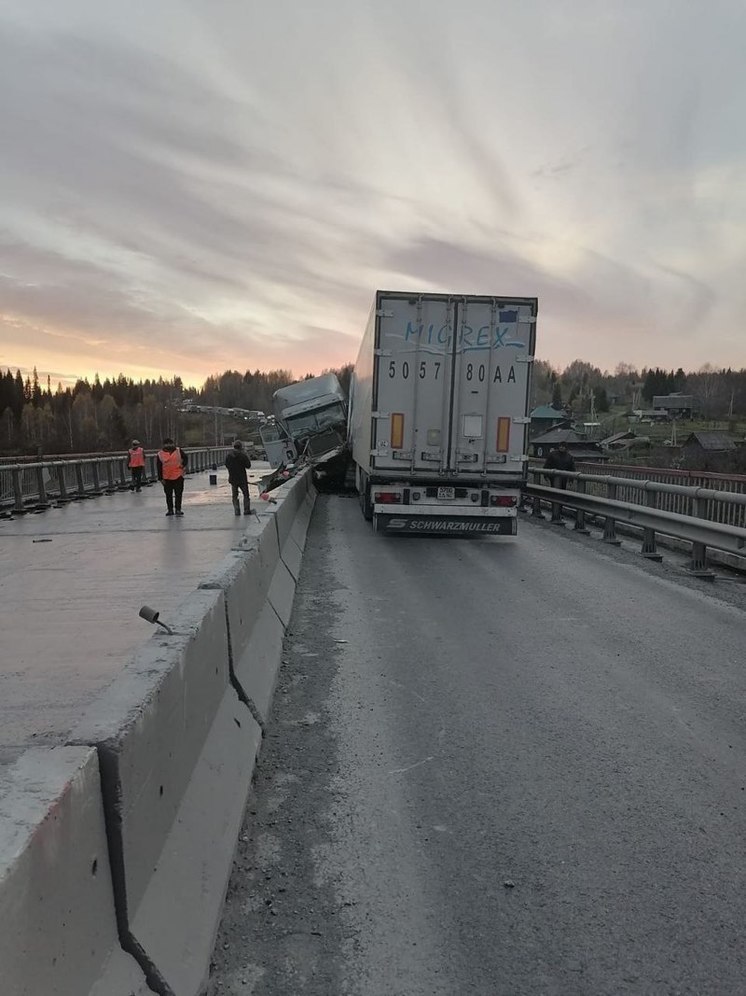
(702, 516)
(29, 487)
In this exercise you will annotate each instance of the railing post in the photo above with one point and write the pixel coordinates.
(580, 526)
(649, 547)
(61, 482)
(17, 490)
(123, 472)
(557, 519)
(79, 478)
(110, 476)
(40, 487)
(96, 479)
(610, 535)
(698, 564)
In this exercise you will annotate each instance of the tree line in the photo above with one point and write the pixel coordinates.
(106, 415)
(582, 386)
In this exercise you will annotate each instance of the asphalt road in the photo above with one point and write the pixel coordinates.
(502, 766)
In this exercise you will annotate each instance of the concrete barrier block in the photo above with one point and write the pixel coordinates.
(258, 662)
(302, 520)
(246, 577)
(150, 726)
(121, 976)
(289, 499)
(179, 915)
(292, 556)
(56, 902)
(282, 592)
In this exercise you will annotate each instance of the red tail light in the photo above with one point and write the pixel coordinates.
(386, 498)
(503, 501)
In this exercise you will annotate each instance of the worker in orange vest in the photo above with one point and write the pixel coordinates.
(136, 463)
(171, 463)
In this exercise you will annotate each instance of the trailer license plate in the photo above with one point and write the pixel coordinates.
(446, 492)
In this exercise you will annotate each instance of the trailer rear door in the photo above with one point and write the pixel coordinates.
(451, 382)
(491, 376)
(412, 383)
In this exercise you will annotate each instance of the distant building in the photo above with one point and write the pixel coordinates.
(675, 405)
(582, 449)
(619, 441)
(649, 415)
(709, 441)
(546, 417)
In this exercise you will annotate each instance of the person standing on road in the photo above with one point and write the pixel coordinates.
(559, 459)
(237, 462)
(136, 463)
(171, 463)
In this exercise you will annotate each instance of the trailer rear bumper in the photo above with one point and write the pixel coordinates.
(405, 522)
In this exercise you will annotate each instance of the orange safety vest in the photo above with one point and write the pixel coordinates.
(137, 457)
(171, 464)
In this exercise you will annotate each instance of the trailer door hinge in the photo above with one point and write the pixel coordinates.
(380, 415)
(382, 352)
(522, 420)
(383, 313)
(524, 359)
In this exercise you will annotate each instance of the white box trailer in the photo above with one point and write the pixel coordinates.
(439, 412)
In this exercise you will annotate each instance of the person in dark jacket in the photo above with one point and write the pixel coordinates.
(559, 459)
(237, 462)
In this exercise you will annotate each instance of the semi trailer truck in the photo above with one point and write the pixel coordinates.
(439, 412)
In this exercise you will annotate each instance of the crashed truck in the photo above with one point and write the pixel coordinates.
(308, 428)
(439, 412)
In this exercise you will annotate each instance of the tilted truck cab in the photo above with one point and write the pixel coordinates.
(439, 412)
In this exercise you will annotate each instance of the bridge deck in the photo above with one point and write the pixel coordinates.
(72, 580)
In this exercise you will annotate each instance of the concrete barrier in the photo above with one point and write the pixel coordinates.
(176, 750)
(258, 579)
(57, 913)
(115, 851)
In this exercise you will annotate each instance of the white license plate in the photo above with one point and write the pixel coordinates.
(446, 492)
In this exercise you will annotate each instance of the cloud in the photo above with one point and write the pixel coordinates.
(200, 188)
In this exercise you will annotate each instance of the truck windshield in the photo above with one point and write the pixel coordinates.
(314, 421)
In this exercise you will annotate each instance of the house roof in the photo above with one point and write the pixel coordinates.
(677, 400)
(547, 411)
(568, 436)
(711, 440)
(617, 437)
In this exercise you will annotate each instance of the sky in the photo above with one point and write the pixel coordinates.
(195, 186)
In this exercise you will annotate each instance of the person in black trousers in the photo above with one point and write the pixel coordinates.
(171, 464)
(237, 462)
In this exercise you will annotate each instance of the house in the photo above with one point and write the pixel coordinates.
(709, 441)
(619, 441)
(546, 417)
(675, 405)
(582, 449)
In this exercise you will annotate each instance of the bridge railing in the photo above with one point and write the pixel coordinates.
(703, 516)
(677, 501)
(26, 487)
